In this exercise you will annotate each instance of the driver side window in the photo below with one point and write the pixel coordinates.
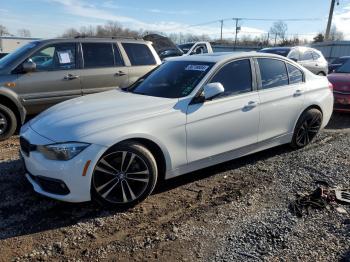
(55, 57)
(236, 77)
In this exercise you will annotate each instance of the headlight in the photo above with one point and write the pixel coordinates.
(62, 152)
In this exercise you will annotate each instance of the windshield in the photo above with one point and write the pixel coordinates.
(6, 60)
(185, 47)
(277, 51)
(173, 79)
(345, 68)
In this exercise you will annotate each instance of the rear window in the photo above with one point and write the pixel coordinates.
(98, 55)
(139, 54)
(273, 73)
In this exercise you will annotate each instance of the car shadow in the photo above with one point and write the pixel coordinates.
(24, 212)
(339, 121)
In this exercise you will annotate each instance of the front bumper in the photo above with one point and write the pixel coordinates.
(341, 102)
(47, 176)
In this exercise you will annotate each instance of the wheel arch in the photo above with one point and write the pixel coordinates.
(313, 106)
(160, 154)
(11, 100)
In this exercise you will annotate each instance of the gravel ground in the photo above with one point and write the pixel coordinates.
(236, 211)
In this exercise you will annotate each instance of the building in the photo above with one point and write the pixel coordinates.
(9, 43)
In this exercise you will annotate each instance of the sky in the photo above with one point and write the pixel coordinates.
(50, 18)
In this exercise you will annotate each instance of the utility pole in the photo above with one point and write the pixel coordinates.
(222, 25)
(237, 30)
(330, 18)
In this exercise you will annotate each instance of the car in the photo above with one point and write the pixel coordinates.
(340, 80)
(43, 73)
(338, 62)
(189, 113)
(3, 54)
(310, 58)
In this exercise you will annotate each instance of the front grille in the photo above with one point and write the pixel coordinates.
(26, 147)
(51, 185)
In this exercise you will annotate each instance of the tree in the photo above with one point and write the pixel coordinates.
(335, 34)
(3, 31)
(24, 32)
(319, 38)
(279, 30)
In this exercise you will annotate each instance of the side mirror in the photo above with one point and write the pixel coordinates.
(212, 90)
(29, 66)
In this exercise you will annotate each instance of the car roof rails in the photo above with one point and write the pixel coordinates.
(108, 37)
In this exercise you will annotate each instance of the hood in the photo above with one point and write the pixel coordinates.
(163, 45)
(340, 81)
(74, 119)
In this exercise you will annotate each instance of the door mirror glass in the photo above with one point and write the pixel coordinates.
(212, 90)
(29, 66)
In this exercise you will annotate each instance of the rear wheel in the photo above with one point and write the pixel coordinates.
(124, 176)
(307, 127)
(8, 123)
(321, 74)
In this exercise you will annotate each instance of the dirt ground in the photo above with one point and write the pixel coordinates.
(236, 211)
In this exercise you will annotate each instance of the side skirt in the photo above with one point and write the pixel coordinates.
(230, 155)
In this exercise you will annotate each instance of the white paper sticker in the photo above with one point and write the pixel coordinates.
(64, 57)
(201, 68)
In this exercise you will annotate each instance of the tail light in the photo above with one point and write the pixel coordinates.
(330, 85)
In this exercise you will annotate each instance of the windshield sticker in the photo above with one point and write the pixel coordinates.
(64, 57)
(201, 68)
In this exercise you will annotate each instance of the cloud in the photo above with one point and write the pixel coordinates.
(342, 21)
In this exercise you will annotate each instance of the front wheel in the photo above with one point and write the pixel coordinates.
(307, 127)
(124, 176)
(8, 122)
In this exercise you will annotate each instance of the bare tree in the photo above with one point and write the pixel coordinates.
(279, 30)
(3, 31)
(335, 34)
(24, 32)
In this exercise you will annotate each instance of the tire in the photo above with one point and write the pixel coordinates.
(307, 128)
(124, 176)
(321, 74)
(8, 122)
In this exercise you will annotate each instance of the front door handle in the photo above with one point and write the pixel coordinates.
(298, 93)
(120, 73)
(251, 105)
(70, 77)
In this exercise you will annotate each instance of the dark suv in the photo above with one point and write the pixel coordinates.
(46, 72)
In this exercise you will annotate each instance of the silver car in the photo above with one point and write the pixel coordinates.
(309, 58)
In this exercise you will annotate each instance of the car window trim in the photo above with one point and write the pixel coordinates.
(115, 48)
(285, 64)
(253, 74)
(145, 44)
(17, 70)
(97, 67)
(302, 74)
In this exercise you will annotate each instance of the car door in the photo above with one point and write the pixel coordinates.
(307, 61)
(103, 67)
(229, 121)
(54, 79)
(281, 92)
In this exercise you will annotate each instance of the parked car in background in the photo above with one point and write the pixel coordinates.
(46, 72)
(336, 63)
(196, 48)
(190, 113)
(163, 45)
(310, 58)
(340, 80)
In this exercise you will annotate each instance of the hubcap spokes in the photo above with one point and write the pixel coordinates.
(308, 130)
(121, 177)
(3, 124)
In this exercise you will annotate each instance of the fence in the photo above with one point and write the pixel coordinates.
(332, 50)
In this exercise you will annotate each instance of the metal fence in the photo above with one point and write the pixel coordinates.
(332, 50)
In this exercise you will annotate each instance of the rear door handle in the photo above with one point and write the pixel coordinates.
(298, 93)
(120, 73)
(70, 77)
(251, 104)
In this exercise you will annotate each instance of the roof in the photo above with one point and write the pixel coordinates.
(222, 56)
(93, 39)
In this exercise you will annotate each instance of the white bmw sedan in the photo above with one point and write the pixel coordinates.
(190, 113)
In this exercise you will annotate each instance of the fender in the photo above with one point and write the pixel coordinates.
(14, 97)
